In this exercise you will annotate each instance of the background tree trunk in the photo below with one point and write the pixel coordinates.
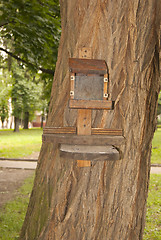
(16, 124)
(108, 199)
(26, 120)
(42, 120)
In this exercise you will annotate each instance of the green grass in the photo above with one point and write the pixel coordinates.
(156, 147)
(13, 214)
(153, 216)
(20, 144)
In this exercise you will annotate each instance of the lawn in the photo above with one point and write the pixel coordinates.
(20, 144)
(156, 147)
(12, 216)
(153, 216)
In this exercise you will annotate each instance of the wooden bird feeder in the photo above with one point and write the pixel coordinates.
(89, 89)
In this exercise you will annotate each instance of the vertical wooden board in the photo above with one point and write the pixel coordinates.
(105, 93)
(84, 122)
(72, 80)
(83, 163)
(85, 53)
(84, 128)
(84, 115)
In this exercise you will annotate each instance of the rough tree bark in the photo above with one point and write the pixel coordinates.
(108, 199)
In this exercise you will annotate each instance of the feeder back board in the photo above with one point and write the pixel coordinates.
(88, 84)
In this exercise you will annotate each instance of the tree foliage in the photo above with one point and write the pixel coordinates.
(5, 90)
(30, 32)
(25, 93)
(4, 111)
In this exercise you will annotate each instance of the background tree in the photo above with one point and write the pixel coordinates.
(159, 105)
(4, 111)
(107, 200)
(31, 42)
(5, 90)
(25, 96)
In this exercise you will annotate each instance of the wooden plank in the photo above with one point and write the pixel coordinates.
(91, 104)
(72, 130)
(83, 128)
(105, 94)
(73, 139)
(59, 130)
(72, 80)
(92, 153)
(83, 163)
(85, 53)
(105, 131)
(80, 65)
(84, 122)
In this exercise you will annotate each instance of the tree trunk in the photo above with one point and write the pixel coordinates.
(108, 199)
(16, 124)
(26, 120)
(42, 120)
(2, 124)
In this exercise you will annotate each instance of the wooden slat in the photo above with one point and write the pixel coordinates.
(72, 130)
(104, 131)
(78, 65)
(72, 85)
(85, 53)
(83, 128)
(105, 88)
(97, 140)
(91, 104)
(84, 122)
(59, 130)
(92, 153)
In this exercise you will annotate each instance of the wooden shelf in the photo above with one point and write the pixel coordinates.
(73, 139)
(92, 153)
(100, 146)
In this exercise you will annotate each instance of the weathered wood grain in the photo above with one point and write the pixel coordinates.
(102, 140)
(91, 104)
(84, 122)
(92, 153)
(105, 87)
(83, 128)
(72, 81)
(86, 66)
(72, 130)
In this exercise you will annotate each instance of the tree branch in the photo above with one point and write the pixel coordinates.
(49, 71)
(3, 23)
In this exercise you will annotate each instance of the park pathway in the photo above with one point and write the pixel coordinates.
(18, 164)
(31, 163)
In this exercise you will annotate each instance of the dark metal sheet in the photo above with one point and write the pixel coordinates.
(89, 87)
